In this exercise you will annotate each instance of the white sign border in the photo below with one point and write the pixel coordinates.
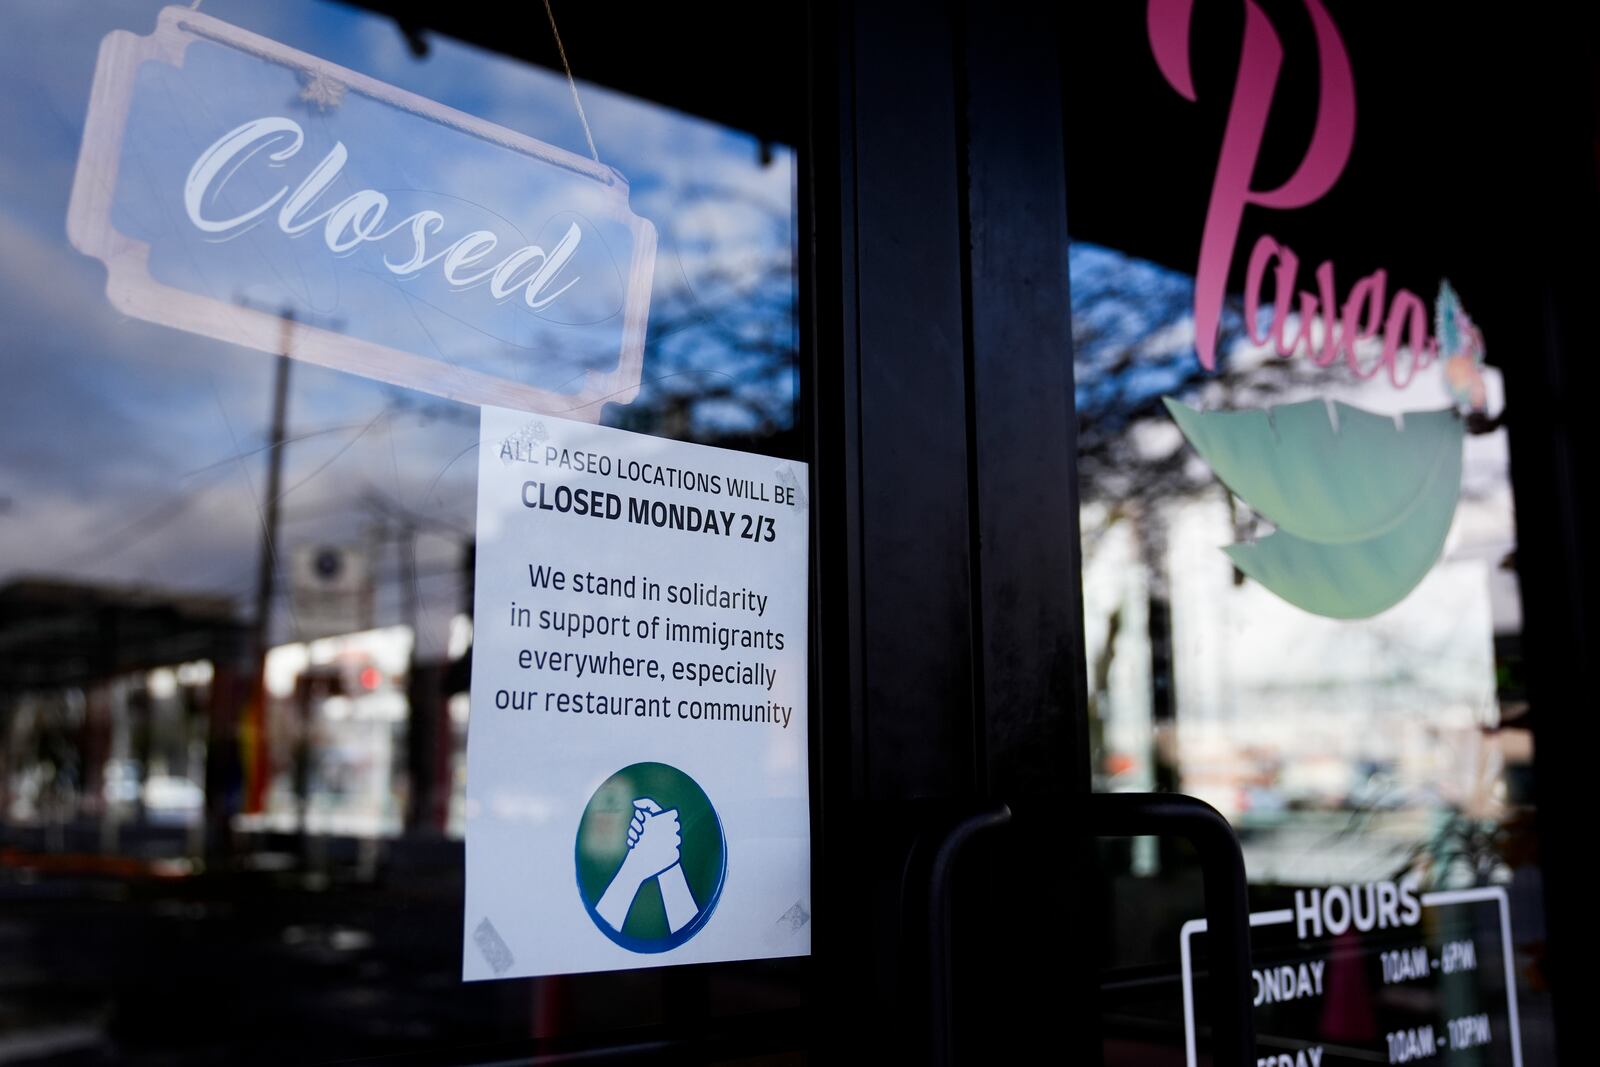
(1429, 900)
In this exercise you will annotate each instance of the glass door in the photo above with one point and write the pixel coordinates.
(1183, 399)
(1304, 380)
(265, 263)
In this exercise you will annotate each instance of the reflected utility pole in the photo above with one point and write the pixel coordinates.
(428, 738)
(266, 569)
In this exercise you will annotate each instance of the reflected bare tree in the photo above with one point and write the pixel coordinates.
(722, 354)
(1132, 335)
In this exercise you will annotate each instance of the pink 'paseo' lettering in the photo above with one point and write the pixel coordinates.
(1326, 333)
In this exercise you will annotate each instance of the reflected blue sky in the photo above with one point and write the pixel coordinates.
(134, 453)
(1133, 335)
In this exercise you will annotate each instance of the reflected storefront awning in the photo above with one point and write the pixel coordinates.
(58, 633)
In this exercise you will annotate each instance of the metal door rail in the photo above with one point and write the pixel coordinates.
(1124, 815)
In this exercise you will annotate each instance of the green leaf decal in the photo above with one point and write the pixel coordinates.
(1362, 510)
(1326, 484)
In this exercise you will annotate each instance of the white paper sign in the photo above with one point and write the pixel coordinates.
(637, 751)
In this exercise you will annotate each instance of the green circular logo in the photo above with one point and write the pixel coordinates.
(651, 857)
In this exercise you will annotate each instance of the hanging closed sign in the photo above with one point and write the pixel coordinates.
(237, 188)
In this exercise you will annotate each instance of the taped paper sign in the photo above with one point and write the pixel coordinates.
(637, 754)
(246, 191)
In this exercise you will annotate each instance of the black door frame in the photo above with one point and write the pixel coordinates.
(949, 645)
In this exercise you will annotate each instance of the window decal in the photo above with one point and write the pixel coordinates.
(1361, 503)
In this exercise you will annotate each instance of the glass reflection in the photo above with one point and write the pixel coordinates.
(1344, 752)
(235, 589)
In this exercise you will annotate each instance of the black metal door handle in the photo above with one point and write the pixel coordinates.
(940, 880)
(1227, 900)
(1124, 815)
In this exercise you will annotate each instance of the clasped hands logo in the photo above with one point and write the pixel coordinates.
(651, 857)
